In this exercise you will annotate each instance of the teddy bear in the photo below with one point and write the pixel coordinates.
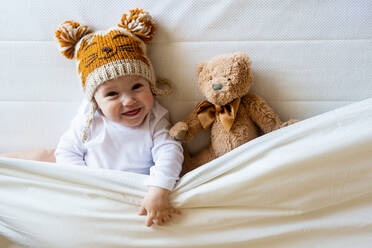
(234, 115)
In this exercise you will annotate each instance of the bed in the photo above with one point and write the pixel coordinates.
(311, 61)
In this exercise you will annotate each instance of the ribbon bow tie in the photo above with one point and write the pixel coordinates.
(207, 113)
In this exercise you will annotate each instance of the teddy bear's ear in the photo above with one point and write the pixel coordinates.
(200, 67)
(243, 57)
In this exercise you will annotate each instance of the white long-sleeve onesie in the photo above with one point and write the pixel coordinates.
(146, 149)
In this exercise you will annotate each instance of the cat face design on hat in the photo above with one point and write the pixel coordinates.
(103, 48)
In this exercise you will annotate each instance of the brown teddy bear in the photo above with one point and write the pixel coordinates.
(234, 115)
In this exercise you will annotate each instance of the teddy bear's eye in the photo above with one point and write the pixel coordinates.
(228, 79)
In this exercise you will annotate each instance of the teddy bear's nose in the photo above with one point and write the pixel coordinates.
(217, 86)
(106, 49)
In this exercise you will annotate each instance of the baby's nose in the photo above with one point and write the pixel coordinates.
(127, 101)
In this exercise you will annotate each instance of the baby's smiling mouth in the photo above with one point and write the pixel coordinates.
(132, 112)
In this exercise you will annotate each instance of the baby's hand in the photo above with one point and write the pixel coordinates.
(156, 206)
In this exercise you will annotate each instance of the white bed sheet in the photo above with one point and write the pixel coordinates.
(307, 185)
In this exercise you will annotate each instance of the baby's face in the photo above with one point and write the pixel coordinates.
(126, 100)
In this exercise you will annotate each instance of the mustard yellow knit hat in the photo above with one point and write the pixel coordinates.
(109, 54)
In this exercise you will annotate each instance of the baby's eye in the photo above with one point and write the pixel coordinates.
(111, 94)
(137, 86)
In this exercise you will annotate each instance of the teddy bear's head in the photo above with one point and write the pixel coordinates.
(225, 78)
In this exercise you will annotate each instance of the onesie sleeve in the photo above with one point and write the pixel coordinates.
(71, 149)
(167, 155)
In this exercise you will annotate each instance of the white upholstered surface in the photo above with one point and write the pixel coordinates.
(308, 56)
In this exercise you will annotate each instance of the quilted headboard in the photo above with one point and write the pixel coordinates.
(308, 57)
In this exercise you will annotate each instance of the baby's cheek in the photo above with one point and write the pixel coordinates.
(112, 110)
(149, 99)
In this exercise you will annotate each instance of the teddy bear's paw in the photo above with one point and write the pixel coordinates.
(287, 123)
(179, 131)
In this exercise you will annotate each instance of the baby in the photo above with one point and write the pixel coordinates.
(120, 126)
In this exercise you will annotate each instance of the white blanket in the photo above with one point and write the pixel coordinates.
(307, 185)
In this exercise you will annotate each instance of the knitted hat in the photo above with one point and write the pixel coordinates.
(109, 54)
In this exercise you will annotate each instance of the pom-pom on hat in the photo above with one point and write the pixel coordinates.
(109, 54)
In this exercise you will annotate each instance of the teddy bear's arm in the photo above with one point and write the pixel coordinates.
(186, 129)
(261, 113)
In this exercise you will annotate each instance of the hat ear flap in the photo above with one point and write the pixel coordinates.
(68, 35)
(139, 23)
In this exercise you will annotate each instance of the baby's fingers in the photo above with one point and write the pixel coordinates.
(149, 219)
(142, 211)
(167, 218)
(160, 218)
(164, 217)
(175, 211)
